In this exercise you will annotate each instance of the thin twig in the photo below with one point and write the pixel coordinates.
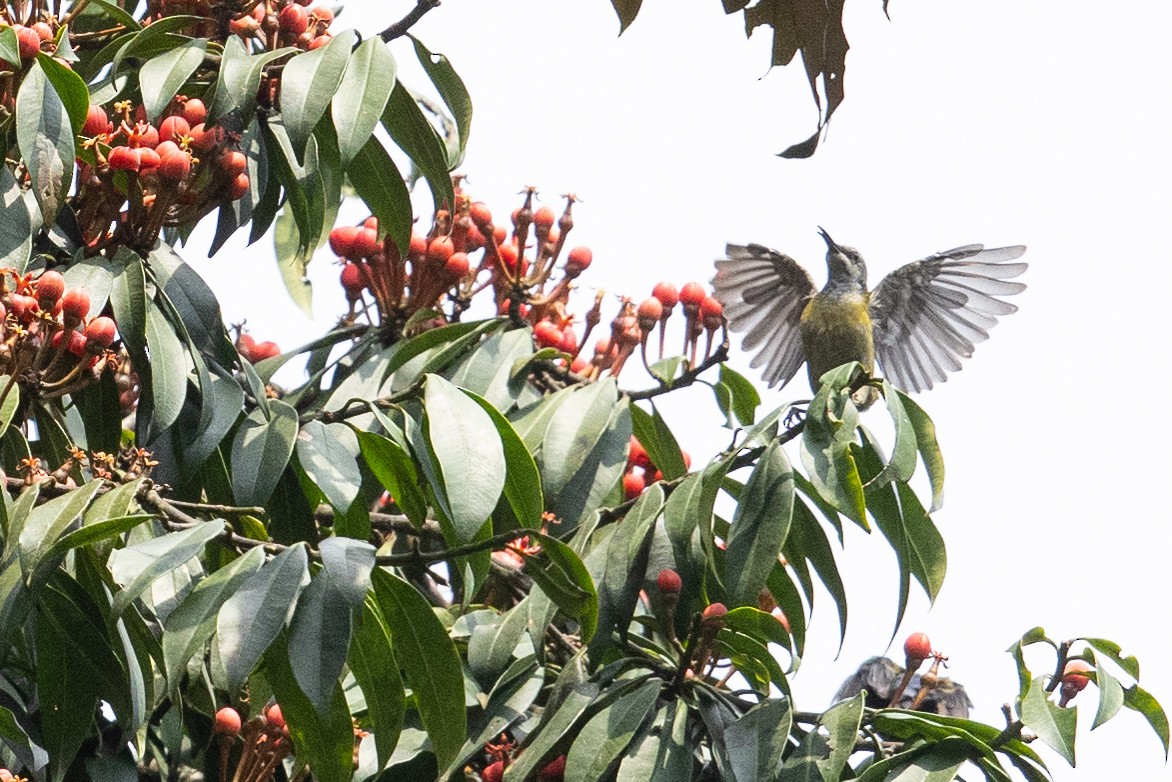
(400, 28)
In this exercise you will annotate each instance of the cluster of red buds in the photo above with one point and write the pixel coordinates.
(138, 176)
(35, 36)
(50, 344)
(253, 351)
(265, 738)
(303, 24)
(641, 471)
(500, 754)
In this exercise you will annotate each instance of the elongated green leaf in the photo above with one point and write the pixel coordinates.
(70, 88)
(1139, 699)
(260, 451)
(488, 370)
(755, 741)
(626, 563)
(404, 120)
(48, 522)
(379, 184)
(1053, 724)
(808, 541)
(759, 527)
(9, 45)
(319, 639)
(903, 457)
(454, 94)
(325, 741)
(1110, 696)
(430, 661)
(168, 364)
(377, 673)
(361, 97)
(46, 140)
(252, 617)
(470, 454)
(16, 220)
(737, 397)
(608, 733)
(522, 480)
(826, 439)
(393, 468)
(928, 447)
(27, 752)
(328, 453)
(552, 731)
(193, 621)
(160, 78)
(1114, 652)
(98, 531)
(652, 433)
(10, 402)
(576, 426)
(238, 81)
(161, 555)
(490, 649)
(564, 579)
(309, 82)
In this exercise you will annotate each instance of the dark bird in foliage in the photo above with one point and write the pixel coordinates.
(918, 322)
(880, 677)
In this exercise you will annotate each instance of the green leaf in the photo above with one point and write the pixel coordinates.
(577, 425)
(826, 439)
(46, 140)
(10, 402)
(319, 640)
(96, 532)
(453, 92)
(759, 527)
(70, 88)
(842, 721)
(373, 664)
(379, 184)
(1138, 699)
(903, 457)
(26, 751)
(404, 120)
(393, 468)
(168, 367)
(308, 84)
(491, 646)
(522, 480)
(324, 741)
(328, 454)
(551, 732)
(737, 397)
(1114, 652)
(1110, 696)
(560, 574)
(193, 621)
(251, 618)
(1053, 724)
(757, 624)
(161, 555)
(237, 82)
(260, 450)
(48, 522)
(469, 453)
(756, 740)
(160, 78)
(626, 563)
(653, 434)
(9, 45)
(361, 97)
(807, 541)
(16, 221)
(488, 370)
(429, 660)
(928, 447)
(607, 734)
(663, 754)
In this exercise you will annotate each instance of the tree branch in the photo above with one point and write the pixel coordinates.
(400, 28)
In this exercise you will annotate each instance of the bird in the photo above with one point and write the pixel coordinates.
(880, 676)
(918, 322)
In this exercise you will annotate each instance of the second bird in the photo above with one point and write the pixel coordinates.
(918, 322)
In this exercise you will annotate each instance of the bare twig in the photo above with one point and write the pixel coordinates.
(400, 28)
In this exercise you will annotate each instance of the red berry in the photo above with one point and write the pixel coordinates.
(917, 648)
(371, 223)
(227, 722)
(499, 233)
(50, 286)
(264, 350)
(669, 581)
(294, 19)
(174, 128)
(547, 334)
(320, 41)
(148, 159)
(75, 306)
(637, 455)
(692, 294)
(667, 294)
(96, 121)
(24, 308)
(245, 344)
(493, 772)
(194, 111)
(578, 260)
(633, 485)
(714, 612)
(76, 344)
(480, 213)
(238, 187)
(544, 218)
(144, 135)
(417, 248)
(232, 162)
(710, 308)
(366, 243)
(1072, 676)
(205, 139)
(352, 281)
(508, 253)
(175, 166)
(554, 771)
(649, 313)
(321, 13)
(43, 31)
(28, 40)
(99, 332)
(273, 713)
(440, 250)
(569, 343)
(124, 159)
(457, 265)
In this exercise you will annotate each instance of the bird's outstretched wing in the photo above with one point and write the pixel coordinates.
(879, 677)
(927, 315)
(763, 293)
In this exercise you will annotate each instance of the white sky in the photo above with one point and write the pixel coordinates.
(1040, 123)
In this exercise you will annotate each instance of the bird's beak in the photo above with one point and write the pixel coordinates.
(826, 238)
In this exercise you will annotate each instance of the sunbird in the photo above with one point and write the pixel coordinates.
(918, 322)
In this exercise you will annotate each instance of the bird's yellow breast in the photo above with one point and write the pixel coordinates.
(836, 329)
